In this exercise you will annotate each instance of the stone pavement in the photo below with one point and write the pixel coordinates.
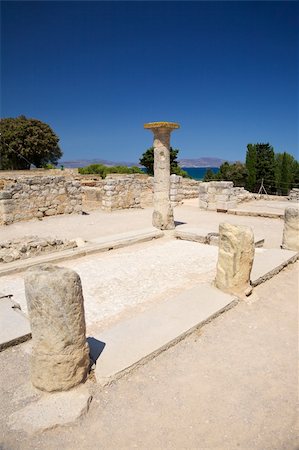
(230, 385)
(99, 223)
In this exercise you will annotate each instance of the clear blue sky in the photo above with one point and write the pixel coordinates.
(97, 71)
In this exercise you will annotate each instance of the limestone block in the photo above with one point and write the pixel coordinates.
(235, 258)
(203, 204)
(226, 205)
(290, 239)
(212, 206)
(60, 354)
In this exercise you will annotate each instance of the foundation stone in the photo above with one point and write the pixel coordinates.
(60, 353)
(235, 258)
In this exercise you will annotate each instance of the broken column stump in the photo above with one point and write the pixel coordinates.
(290, 239)
(60, 353)
(235, 258)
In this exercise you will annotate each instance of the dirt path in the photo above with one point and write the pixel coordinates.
(232, 385)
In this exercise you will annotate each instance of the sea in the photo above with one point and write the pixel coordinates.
(197, 173)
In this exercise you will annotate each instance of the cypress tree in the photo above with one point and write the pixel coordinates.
(251, 167)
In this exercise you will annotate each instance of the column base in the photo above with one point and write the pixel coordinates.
(163, 221)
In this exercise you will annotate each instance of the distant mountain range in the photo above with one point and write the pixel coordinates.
(197, 162)
(201, 162)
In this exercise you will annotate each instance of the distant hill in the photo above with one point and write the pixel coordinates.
(201, 162)
(197, 162)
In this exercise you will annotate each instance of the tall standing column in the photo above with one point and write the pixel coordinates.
(163, 212)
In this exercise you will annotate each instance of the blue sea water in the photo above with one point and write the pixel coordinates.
(197, 173)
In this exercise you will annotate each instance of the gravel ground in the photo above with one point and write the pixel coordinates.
(231, 385)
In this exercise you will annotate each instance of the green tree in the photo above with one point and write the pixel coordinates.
(236, 172)
(103, 171)
(286, 172)
(265, 166)
(209, 175)
(251, 167)
(147, 160)
(27, 141)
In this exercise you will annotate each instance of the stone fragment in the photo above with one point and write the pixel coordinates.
(60, 354)
(235, 258)
(51, 410)
(290, 239)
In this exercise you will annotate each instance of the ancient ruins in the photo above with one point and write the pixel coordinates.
(66, 235)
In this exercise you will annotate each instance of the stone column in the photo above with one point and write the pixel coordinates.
(163, 212)
(235, 258)
(290, 239)
(60, 353)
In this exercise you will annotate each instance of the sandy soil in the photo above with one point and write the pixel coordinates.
(99, 223)
(231, 385)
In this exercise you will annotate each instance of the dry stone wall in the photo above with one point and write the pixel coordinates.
(28, 246)
(26, 197)
(123, 192)
(222, 195)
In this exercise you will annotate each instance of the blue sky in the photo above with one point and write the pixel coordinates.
(97, 71)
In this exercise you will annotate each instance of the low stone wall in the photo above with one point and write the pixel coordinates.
(26, 197)
(130, 191)
(215, 195)
(294, 195)
(222, 195)
(182, 188)
(28, 246)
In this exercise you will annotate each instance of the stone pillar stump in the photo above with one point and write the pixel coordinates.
(163, 212)
(60, 353)
(235, 258)
(290, 239)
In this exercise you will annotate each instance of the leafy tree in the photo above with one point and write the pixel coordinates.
(251, 167)
(286, 172)
(147, 160)
(103, 170)
(236, 172)
(27, 141)
(265, 166)
(209, 175)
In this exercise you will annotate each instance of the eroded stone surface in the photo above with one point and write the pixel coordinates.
(290, 239)
(28, 246)
(163, 212)
(60, 354)
(235, 258)
(51, 410)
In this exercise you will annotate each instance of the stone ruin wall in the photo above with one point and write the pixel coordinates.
(132, 191)
(222, 195)
(294, 195)
(25, 197)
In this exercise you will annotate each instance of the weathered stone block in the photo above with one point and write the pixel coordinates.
(235, 258)
(60, 354)
(290, 239)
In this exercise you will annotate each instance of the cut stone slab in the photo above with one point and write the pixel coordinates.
(245, 212)
(136, 340)
(269, 262)
(51, 411)
(14, 325)
(205, 236)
